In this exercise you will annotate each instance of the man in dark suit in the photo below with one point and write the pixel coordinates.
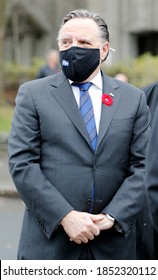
(77, 155)
(147, 238)
(52, 65)
(149, 244)
(151, 92)
(151, 178)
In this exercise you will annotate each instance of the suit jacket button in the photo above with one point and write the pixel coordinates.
(89, 201)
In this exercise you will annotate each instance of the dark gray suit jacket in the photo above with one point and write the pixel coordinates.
(54, 167)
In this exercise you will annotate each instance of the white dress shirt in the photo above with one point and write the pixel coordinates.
(95, 92)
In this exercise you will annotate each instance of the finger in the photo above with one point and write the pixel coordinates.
(84, 240)
(90, 236)
(105, 224)
(77, 241)
(96, 218)
(95, 230)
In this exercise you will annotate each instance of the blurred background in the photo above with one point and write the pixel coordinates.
(28, 31)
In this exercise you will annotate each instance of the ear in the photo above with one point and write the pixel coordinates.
(104, 50)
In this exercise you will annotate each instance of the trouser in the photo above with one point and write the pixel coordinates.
(86, 252)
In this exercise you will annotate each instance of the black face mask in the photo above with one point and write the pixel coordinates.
(79, 63)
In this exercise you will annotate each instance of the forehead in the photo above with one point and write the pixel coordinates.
(80, 26)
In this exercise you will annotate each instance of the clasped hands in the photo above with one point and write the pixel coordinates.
(82, 226)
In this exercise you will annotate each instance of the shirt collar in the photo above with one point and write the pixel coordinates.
(97, 81)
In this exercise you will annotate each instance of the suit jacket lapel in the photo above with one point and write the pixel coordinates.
(65, 98)
(107, 112)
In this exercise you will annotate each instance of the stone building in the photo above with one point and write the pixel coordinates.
(32, 26)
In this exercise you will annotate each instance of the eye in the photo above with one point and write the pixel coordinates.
(66, 42)
(83, 42)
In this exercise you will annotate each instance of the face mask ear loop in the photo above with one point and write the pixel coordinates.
(113, 50)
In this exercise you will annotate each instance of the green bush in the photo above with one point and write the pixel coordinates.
(14, 75)
(6, 113)
(140, 71)
(144, 70)
(17, 74)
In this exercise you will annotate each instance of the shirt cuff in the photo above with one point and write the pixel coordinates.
(110, 218)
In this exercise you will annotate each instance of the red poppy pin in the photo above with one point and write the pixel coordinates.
(107, 99)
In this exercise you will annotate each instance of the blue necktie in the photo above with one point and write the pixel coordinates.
(86, 109)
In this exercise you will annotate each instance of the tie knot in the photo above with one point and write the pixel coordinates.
(83, 86)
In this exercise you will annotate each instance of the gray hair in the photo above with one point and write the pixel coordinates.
(82, 13)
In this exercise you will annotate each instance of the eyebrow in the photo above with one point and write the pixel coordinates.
(82, 38)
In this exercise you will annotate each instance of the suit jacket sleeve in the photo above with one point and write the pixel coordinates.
(44, 201)
(129, 199)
